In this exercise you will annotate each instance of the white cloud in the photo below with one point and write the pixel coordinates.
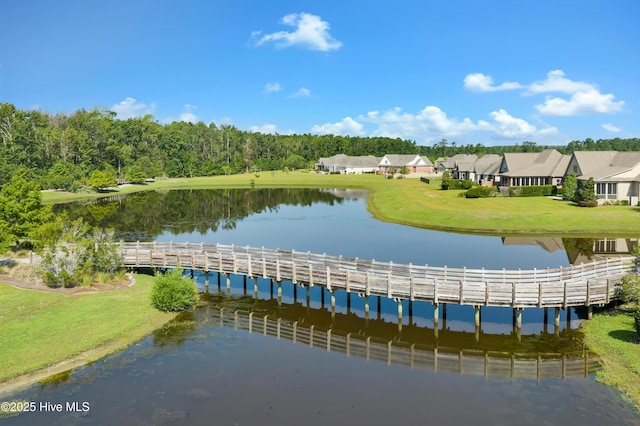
(585, 97)
(270, 129)
(431, 124)
(510, 127)
(188, 115)
(556, 82)
(478, 82)
(610, 127)
(265, 128)
(302, 92)
(311, 32)
(272, 88)
(584, 102)
(130, 108)
(346, 126)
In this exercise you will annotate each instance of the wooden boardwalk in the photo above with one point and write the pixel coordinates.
(512, 365)
(587, 284)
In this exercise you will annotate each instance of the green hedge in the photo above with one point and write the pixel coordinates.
(533, 191)
(479, 192)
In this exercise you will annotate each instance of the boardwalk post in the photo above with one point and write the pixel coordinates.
(228, 281)
(366, 306)
(333, 303)
(279, 292)
(556, 321)
(435, 315)
(255, 287)
(206, 281)
(328, 278)
(476, 309)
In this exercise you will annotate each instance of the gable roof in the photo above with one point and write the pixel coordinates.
(488, 164)
(400, 160)
(453, 162)
(601, 165)
(342, 160)
(546, 163)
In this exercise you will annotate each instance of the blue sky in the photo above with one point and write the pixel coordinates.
(494, 72)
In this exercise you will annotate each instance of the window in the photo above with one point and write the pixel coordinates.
(601, 190)
(612, 190)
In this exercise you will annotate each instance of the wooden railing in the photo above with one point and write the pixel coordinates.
(432, 357)
(587, 284)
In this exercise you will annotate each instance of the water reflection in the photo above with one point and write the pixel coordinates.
(329, 220)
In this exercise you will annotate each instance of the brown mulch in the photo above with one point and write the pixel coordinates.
(22, 276)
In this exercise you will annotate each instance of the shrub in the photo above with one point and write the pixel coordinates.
(588, 203)
(629, 289)
(478, 192)
(173, 292)
(636, 317)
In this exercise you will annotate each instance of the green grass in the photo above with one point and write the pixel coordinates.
(411, 202)
(613, 337)
(39, 329)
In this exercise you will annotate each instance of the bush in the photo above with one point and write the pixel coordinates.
(629, 289)
(478, 192)
(173, 293)
(636, 317)
(588, 203)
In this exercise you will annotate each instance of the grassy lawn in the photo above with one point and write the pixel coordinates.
(613, 337)
(411, 202)
(38, 329)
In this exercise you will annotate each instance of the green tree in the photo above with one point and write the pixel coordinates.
(586, 194)
(569, 186)
(21, 211)
(135, 174)
(100, 180)
(446, 180)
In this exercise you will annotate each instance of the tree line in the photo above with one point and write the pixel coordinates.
(61, 150)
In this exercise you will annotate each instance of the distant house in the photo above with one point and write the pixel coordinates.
(533, 168)
(486, 170)
(616, 174)
(459, 165)
(413, 163)
(348, 164)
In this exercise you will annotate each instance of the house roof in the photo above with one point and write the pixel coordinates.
(453, 162)
(546, 163)
(400, 160)
(342, 160)
(604, 165)
(488, 164)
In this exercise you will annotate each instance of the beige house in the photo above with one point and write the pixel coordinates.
(533, 168)
(458, 165)
(616, 174)
(347, 164)
(413, 163)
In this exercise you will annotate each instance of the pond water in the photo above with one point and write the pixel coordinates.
(245, 357)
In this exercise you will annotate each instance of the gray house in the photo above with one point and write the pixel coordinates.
(616, 174)
(533, 168)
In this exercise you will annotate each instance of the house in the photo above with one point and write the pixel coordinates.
(348, 164)
(533, 168)
(451, 164)
(486, 170)
(616, 174)
(413, 163)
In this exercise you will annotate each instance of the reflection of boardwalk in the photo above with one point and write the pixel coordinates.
(432, 357)
(586, 284)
